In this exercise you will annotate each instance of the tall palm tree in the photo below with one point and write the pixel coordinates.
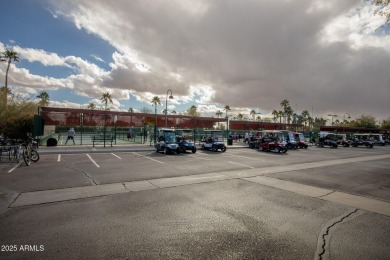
(8, 56)
(253, 113)
(305, 116)
(258, 118)
(155, 101)
(219, 113)
(91, 106)
(106, 97)
(173, 112)
(280, 115)
(275, 113)
(227, 108)
(44, 98)
(240, 116)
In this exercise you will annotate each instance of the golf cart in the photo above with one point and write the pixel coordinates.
(213, 140)
(357, 140)
(167, 142)
(327, 139)
(184, 140)
(300, 139)
(377, 139)
(290, 139)
(273, 141)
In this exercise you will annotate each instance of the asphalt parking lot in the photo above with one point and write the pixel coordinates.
(242, 204)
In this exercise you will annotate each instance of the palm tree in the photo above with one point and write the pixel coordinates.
(227, 108)
(106, 97)
(305, 115)
(44, 96)
(8, 56)
(131, 110)
(193, 111)
(258, 118)
(173, 112)
(240, 116)
(253, 113)
(219, 113)
(280, 115)
(155, 101)
(275, 114)
(91, 106)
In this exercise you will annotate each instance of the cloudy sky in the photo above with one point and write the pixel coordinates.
(328, 57)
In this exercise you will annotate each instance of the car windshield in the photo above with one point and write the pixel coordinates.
(301, 137)
(170, 137)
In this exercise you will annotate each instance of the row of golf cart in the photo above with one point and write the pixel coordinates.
(333, 140)
(277, 141)
(180, 141)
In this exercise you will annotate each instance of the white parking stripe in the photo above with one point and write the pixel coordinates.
(147, 157)
(203, 158)
(116, 156)
(97, 165)
(241, 165)
(59, 158)
(13, 168)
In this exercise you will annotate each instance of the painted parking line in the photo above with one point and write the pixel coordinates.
(236, 155)
(147, 157)
(200, 157)
(59, 158)
(116, 156)
(97, 165)
(13, 168)
(250, 167)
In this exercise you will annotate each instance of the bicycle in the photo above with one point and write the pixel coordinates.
(29, 153)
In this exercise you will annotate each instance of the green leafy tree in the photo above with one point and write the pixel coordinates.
(240, 116)
(366, 121)
(8, 56)
(193, 111)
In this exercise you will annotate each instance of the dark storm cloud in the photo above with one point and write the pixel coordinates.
(253, 53)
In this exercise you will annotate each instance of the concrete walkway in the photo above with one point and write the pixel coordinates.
(251, 175)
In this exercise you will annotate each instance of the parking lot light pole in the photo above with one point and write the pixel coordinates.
(166, 107)
(349, 116)
(332, 117)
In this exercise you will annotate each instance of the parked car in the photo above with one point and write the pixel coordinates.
(273, 141)
(300, 139)
(214, 141)
(357, 140)
(167, 142)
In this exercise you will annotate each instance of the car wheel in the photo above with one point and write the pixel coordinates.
(203, 148)
(214, 148)
(178, 150)
(223, 149)
(165, 150)
(193, 150)
(284, 151)
(157, 148)
(277, 149)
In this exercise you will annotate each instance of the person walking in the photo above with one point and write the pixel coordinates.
(71, 134)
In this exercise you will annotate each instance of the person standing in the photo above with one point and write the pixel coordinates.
(71, 134)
